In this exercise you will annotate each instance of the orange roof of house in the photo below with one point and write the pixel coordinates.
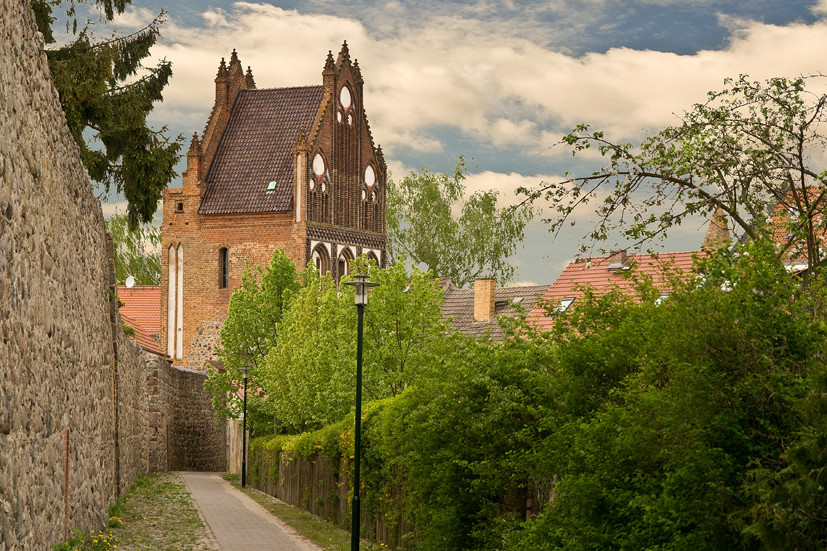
(142, 304)
(141, 337)
(602, 274)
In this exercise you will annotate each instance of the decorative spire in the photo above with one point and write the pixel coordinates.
(195, 145)
(251, 83)
(357, 72)
(233, 57)
(222, 70)
(344, 54)
(329, 64)
(301, 142)
(718, 234)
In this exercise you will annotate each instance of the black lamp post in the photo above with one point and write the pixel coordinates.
(244, 435)
(361, 286)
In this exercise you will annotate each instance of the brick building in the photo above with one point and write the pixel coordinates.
(290, 168)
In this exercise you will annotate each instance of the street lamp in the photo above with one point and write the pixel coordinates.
(361, 286)
(244, 435)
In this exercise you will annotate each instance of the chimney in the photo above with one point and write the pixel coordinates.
(484, 293)
(717, 234)
(617, 259)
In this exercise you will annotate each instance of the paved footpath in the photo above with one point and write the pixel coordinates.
(238, 522)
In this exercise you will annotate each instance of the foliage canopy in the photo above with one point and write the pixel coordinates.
(137, 251)
(106, 94)
(752, 149)
(424, 228)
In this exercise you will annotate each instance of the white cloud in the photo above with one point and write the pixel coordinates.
(134, 18)
(493, 86)
(110, 209)
(489, 81)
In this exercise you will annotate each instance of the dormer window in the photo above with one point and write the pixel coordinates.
(271, 187)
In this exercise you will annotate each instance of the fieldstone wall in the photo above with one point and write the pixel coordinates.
(132, 445)
(158, 387)
(204, 346)
(197, 442)
(183, 434)
(57, 431)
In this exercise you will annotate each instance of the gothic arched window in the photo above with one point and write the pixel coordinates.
(320, 259)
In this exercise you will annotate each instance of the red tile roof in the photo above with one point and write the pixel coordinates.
(257, 148)
(142, 304)
(146, 342)
(595, 273)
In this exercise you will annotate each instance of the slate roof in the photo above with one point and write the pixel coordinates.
(257, 148)
(142, 304)
(459, 303)
(595, 273)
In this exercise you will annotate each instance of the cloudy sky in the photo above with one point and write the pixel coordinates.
(499, 81)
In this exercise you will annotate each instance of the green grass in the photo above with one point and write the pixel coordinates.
(157, 513)
(325, 534)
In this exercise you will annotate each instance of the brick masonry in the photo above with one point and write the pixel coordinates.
(336, 215)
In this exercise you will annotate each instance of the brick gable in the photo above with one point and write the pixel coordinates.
(257, 148)
(224, 218)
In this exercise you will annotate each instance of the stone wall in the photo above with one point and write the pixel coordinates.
(157, 388)
(197, 442)
(205, 345)
(76, 423)
(183, 434)
(57, 432)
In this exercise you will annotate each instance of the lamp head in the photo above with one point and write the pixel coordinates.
(361, 286)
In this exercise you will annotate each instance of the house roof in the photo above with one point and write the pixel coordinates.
(142, 304)
(141, 337)
(459, 304)
(602, 274)
(257, 148)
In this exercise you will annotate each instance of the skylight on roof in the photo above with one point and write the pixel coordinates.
(564, 305)
(271, 186)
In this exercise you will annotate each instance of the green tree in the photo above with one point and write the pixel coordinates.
(137, 251)
(106, 94)
(402, 320)
(250, 331)
(424, 229)
(750, 148)
(702, 389)
(310, 376)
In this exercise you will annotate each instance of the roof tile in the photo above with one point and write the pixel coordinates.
(459, 304)
(142, 304)
(594, 273)
(257, 148)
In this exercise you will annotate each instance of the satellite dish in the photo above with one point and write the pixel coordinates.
(130, 282)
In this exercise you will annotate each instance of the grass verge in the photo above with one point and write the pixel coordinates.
(156, 513)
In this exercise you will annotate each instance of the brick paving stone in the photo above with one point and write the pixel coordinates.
(237, 521)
